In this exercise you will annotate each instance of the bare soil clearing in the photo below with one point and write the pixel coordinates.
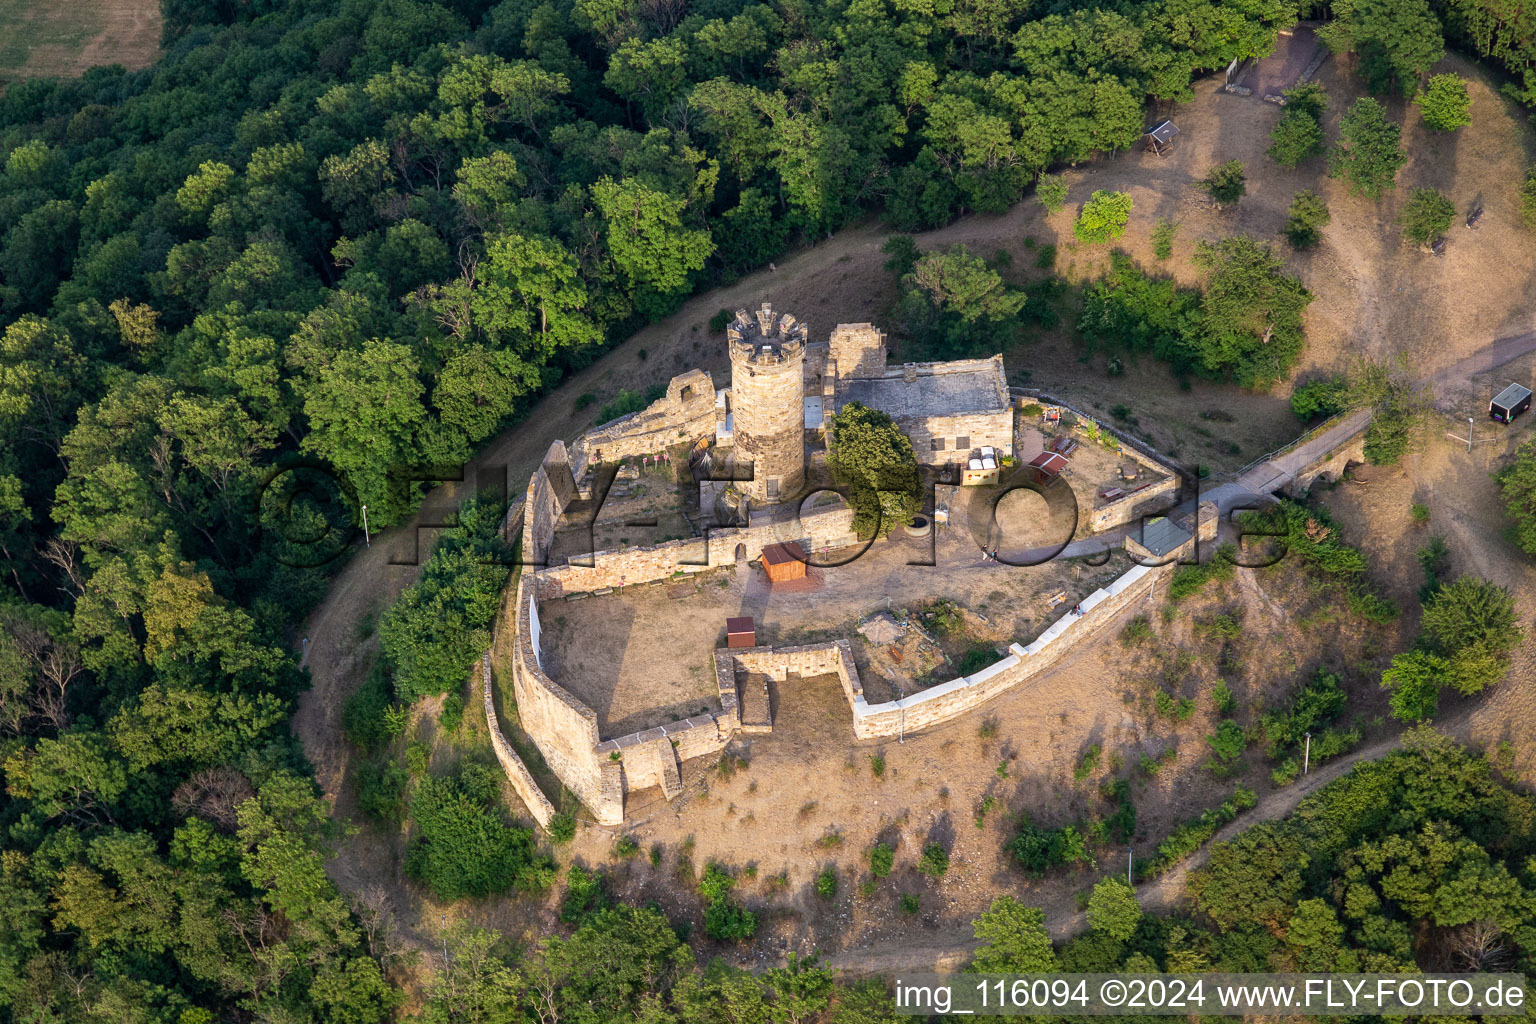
(1375, 297)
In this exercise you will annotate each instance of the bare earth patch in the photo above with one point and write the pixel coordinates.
(64, 40)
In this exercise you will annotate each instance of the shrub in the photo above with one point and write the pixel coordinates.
(826, 884)
(625, 847)
(1163, 233)
(1426, 216)
(976, 659)
(1103, 217)
(1321, 396)
(381, 789)
(584, 895)
(452, 715)
(1045, 259)
(1414, 679)
(627, 401)
(1528, 198)
(1228, 742)
(881, 860)
(1305, 220)
(1113, 909)
(1312, 706)
(1189, 579)
(1444, 104)
(1137, 631)
(1039, 849)
(1517, 489)
(1295, 137)
(418, 757)
(1087, 763)
(463, 843)
(877, 765)
(1225, 183)
(1051, 193)
(729, 922)
(1168, 706)
(363, 717)
(1222, 697)
(1285, 773)
(720, 321)
(1188, 837)
(562, 827)
(934, 862)
(1471, 613)
(910, 903)
(1419, 513)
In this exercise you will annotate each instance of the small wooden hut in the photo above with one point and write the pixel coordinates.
(783, 562)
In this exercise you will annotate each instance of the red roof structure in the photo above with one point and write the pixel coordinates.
(1047, 466)
(740, 632)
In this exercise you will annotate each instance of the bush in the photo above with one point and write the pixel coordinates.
(1051, 193)
(1414, 679)
(1087, 763)
(826, 884)
(381, 790)
(877, 765)
(562, 828)
(1471, 613)
(625, 847)
(1189, 579)
(1163, 233)
(1297, 136)
(1039, 849)
(1517, 489)
(585, 895)
(464, 845)
(976, 659)
(1228, 742)
(452, 715)
(1321, 396)
(1426, 216)
(1103, 217)
(1180, 709)
(910, 903)
(1368, 155)
(364, 719)
(1191, 835)
(1137, 631)
(723, 918)
(1305, 220)
(1444, 104)
(1528, 198)
(881, 860)
(627, 401)
(1312, 706)
(720, 321)
(1225, 183)
(1222, 697)
(934, 862)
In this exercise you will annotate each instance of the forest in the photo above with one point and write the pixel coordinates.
(325, 247)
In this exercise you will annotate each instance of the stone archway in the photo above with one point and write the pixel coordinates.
(741, 553)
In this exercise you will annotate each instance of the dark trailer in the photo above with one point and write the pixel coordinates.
(1509, 403)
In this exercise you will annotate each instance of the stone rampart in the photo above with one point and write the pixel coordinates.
(517, 773)
(939, 704)
(1149, 500)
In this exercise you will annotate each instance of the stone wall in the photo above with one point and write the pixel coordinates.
(517, 773)
(1148, 501)
(939, 704)
(858, 350)
(830, 527)
(993, 429)
(685, 413)
(561, 726)
(1327, 467)
(549, 491)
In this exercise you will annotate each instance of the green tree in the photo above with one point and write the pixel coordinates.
(1426, 216)
(463, 845)
(869, 454)
(956, 304)
(1517, 488)
(649, 245)
(1013, 940)
(1415, 679)
(1103, 217)
(1305, 219)
(1297, 136)
(1051, 192)
(1226, 183)
(1252, 323)
(1444, 104)
(1368, 155)
(1394, 41)
(1113, 908)
(1471, 613)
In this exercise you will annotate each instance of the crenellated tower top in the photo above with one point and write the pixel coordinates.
(763, 339)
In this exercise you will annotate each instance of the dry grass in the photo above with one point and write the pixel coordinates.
(58, 39)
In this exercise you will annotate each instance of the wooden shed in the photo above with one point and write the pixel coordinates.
(1160, 136)
(740, 632)
(1048, 466)
(784, 562)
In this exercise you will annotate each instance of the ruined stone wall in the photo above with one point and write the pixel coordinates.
(544, 503)
(517, 773)
(1150, 500)
(830, 527)
(561, 726)
(685, 413)
(858, 350)
(939, 704)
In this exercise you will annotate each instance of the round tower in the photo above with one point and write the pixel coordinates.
(768, 402)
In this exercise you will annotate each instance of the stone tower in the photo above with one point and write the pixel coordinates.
(768, 402)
